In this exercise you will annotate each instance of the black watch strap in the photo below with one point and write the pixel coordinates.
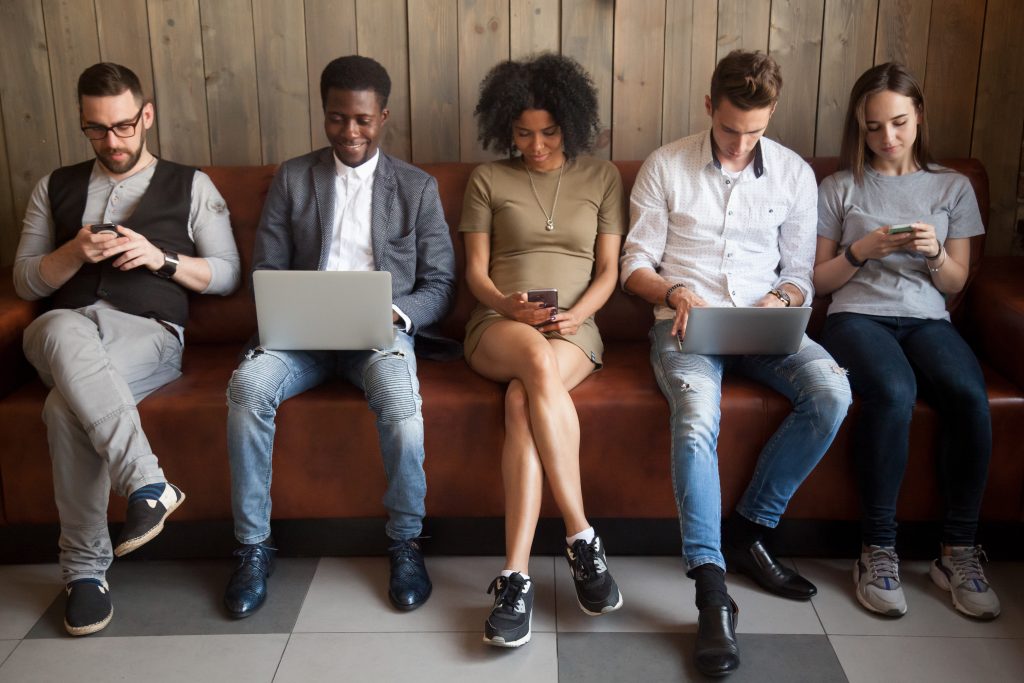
(853, 259)
(170, 267)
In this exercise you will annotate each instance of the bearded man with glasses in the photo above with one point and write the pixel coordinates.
(115, 243)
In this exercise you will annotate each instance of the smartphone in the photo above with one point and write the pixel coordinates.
(548, 297)
(106, 227)
(900, 229)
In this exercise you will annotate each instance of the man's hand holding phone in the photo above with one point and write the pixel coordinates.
(93, 242)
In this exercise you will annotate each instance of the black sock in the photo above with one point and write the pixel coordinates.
(742, 533)
(711, 591)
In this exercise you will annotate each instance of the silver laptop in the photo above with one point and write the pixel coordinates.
(323, 310)
(746, 331)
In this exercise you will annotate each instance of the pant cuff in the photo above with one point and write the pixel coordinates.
(718, 561)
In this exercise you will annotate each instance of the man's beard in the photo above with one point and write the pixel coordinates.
(126, 165)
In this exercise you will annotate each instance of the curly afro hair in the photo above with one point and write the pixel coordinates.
(554, 83)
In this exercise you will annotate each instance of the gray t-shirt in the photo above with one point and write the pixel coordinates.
(899, 284)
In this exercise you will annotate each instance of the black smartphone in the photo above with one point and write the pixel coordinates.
(548, 297)
(106, 227)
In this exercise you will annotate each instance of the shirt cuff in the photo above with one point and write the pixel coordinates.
(407, 326)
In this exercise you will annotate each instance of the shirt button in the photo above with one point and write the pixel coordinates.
(729, 254)
(734, 292)
(101, 292)
(730, 213)
(728, 182)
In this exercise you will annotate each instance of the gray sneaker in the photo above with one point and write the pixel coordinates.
(961, 575)
(877, 575)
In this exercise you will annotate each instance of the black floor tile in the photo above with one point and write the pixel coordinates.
(185, 598)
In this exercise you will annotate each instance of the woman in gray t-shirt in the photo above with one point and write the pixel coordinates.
(892, 244)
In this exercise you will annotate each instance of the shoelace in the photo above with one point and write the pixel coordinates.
(506, 591)
(583, 561)
(967, 564)
(883, 564)
(257, 556)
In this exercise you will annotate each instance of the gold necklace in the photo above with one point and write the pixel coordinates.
(549, 224)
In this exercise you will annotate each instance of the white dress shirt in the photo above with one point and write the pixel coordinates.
(728, 238)
(351, 239)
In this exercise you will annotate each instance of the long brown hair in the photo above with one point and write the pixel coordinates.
(889, 76)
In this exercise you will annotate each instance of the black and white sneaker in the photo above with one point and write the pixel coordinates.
(596, 591)
(145, 519)
(509, 622)
(88, 609)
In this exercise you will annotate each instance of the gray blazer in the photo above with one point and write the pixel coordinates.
(408, 230)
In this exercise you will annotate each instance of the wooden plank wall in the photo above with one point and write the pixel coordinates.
(237, 81)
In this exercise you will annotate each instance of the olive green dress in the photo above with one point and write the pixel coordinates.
(524, 255)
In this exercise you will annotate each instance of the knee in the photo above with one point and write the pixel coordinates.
(256, 384)
(50, 329)
(829, 396)
(966, 395)
(540, 366)
(390, 390)
(56, 410)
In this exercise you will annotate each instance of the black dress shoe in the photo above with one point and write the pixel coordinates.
(247, 588)
(717, 653)
(755, 562)
(409, 586)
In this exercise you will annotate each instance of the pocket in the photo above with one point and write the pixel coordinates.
(763, 221)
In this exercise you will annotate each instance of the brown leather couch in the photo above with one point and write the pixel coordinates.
(326, 463)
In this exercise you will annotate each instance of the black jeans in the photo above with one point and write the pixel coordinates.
(890, 361)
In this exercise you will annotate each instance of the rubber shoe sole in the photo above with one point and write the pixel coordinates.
(498, 641)
(606, 610)
(940, 580)
(135, 543)
(893, 613)
(91, 628)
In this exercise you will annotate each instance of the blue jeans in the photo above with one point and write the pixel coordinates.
(266, 378)
(891, 361)
(692, 383)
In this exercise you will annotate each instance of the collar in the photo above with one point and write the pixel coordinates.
(360, 172)
(758, 156)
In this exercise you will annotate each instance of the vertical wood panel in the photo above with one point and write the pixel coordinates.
(115, 20)
(229, 56)
(180, 83)
(10, 222)
(382, 34)
(534, 26)
(483, 42)
(30, 125)
(280, 32)
(954, 51)
(997, 117)
(434, 80)
(330, 33)
(588, 30)
(795, 43)
(902, 34)
(703, 58)
(847, 51)
(742, 25)
(675, 110)
(639, 72)
(73, 46)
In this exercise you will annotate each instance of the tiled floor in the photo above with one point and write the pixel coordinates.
(328, 620)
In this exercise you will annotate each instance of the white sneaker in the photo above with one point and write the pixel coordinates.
(960, 573)
(877, 575)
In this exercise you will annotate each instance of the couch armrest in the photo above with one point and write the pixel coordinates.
(995, 323)
(15, 316)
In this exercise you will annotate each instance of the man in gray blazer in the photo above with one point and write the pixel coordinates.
(348, 206)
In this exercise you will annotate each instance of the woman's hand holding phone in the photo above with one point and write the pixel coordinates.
(516, 306)
(880, 243)
(923, 240)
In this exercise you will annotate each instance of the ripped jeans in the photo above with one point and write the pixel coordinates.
(692, 383)
(266, 378)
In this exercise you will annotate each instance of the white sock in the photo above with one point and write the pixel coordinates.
(587, 535)
(509, 572)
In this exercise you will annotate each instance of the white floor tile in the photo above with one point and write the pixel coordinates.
(420, 657)
(26, 590)
(929, 660)
(930, 610)
(6, 648)
(658, 597)
(349, 595)
(165, 659)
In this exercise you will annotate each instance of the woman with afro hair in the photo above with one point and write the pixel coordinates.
(546, 218)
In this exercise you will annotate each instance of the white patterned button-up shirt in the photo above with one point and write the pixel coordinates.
(728, 238)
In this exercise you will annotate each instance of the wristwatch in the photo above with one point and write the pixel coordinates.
(170, 266)
(781, 295)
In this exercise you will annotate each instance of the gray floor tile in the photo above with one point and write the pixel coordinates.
(930, 611)
(656, 657)
(185, 598)
(6, 648)
(349, 595)
(420, 657)
(930, 660)
(170, 659)
(26, 591)
(657, 597)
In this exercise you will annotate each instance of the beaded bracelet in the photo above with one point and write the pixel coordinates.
(671, 289)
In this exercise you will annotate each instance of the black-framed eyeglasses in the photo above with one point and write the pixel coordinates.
(121, 130)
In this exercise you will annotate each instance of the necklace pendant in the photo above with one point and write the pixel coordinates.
(549, 225)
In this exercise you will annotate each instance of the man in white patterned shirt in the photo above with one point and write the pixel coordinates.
(728, 218)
